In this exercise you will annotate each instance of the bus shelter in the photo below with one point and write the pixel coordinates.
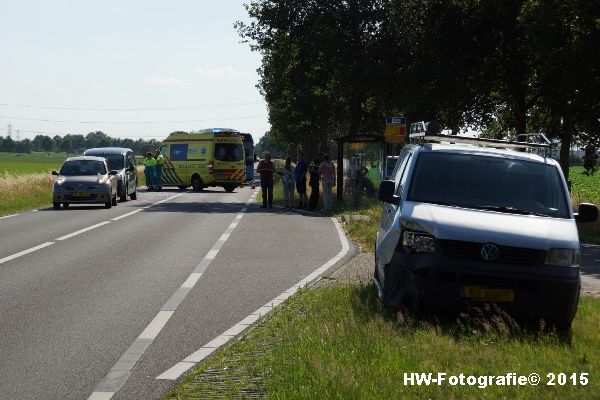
(359, 166)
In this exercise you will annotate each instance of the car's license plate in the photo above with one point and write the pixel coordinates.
(479, 293)
(81, 194)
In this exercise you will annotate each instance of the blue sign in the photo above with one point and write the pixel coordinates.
(395, 120)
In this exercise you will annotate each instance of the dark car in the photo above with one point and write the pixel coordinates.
(122, 160)
(84, 180)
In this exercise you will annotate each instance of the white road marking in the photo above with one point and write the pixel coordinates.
(79, 232)
(24, 252)
(114, 383)
(12, 215)
(126, 215)
(165, 200)
(101, 396)
(154, 327)
(191, 281)
(199, 355)
(176, 371)
(211, 254)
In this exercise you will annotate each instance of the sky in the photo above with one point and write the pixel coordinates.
(132, 69)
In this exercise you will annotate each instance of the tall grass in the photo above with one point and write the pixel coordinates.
(24, 191)
(340, 343)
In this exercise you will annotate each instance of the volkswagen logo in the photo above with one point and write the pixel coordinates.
(490, 252)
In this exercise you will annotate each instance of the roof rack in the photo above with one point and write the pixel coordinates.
(421, 132)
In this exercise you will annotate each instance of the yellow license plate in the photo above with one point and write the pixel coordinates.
(479, 293)
(81, 194)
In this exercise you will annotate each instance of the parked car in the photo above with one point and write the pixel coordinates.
(122, 160)
(84, 180)
(464, 224)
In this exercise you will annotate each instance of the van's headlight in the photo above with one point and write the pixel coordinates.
(419, 242)
(103, 179)
(562, 257)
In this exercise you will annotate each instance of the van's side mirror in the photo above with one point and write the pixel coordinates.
(587, 213)
(386, 192)
(113, 172)
(54, 173)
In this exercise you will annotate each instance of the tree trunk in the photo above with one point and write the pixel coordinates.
(520, 112)
(565, 152)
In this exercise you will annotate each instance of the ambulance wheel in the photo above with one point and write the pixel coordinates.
(196, 183)
(230, 188)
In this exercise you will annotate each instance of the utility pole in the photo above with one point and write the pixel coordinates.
(9, 130)
(18, 135)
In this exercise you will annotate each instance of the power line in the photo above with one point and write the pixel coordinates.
(157, 108)
(236, 118)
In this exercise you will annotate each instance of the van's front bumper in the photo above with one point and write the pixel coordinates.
(539, 291)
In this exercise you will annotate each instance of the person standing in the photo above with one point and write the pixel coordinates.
(265, 169)
(249, 169)
(313, 169)
(149, 164)
(288, 183)
(300, 176)
(327, 173)
(160, 162)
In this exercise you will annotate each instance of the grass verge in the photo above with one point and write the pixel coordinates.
(586, 188)
(339, 343)
(21, 192)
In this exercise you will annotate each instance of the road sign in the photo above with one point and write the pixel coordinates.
(395, 129)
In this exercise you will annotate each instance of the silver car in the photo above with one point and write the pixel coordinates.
(84, 180)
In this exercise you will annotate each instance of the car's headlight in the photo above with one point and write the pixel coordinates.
(562, 257)
(60, 180)
(418, 242)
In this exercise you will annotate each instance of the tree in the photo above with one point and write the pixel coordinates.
(57, 140)
(66, 144)
(23, 146)
(78, 143)
(563, 38)
(47, 144)
(319, 66)
(9, 144)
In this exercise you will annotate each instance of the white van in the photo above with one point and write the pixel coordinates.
(467, 223)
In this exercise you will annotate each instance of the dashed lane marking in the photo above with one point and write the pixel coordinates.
(120, 372)
(24, 252)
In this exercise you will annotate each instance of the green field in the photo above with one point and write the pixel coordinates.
(32, 163)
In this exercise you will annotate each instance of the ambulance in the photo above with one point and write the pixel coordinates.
(209, 157)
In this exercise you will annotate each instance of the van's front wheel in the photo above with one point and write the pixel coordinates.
(196, 183)
(230, 188)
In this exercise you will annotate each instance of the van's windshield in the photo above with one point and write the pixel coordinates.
(229, 152)
(488, 183)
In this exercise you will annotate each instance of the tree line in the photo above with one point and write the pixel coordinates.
(75, 144)
(333, 68)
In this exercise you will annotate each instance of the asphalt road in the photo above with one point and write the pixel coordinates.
(79, 286)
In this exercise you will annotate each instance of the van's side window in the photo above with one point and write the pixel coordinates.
(179, 152)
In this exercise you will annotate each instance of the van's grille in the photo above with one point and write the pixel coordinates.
(507, 254)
